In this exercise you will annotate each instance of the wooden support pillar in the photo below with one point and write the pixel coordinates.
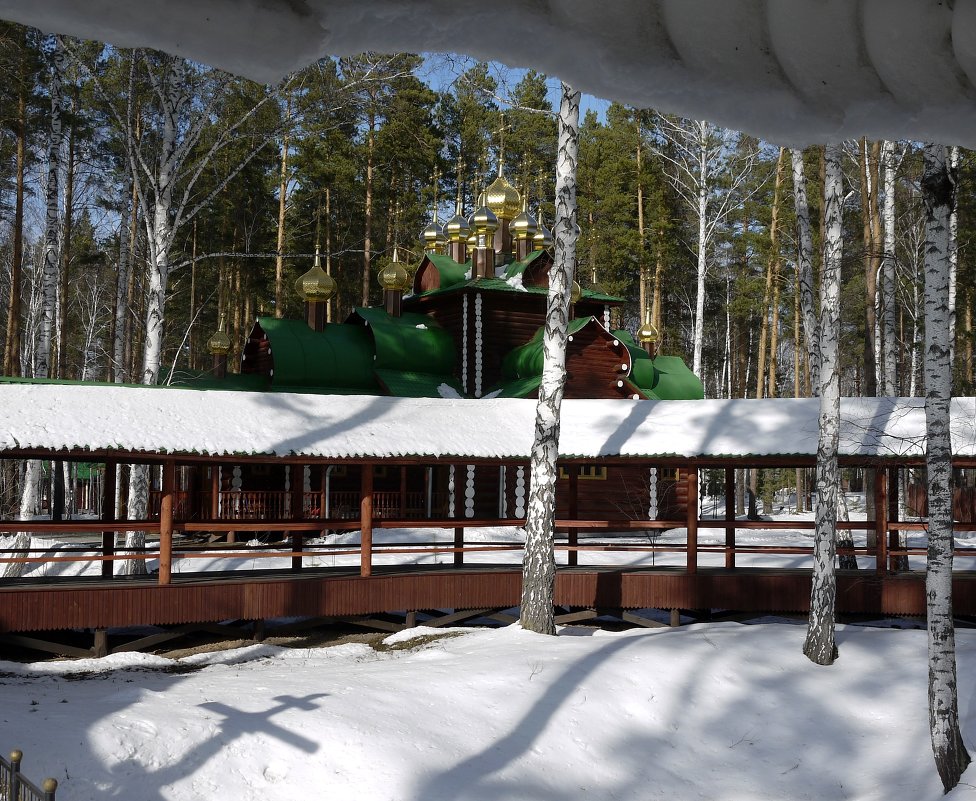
(57, 490)
(572, 555)
(166, 522)
(366, 521)
(214, 492)
(297, 546)
(881, 520)
(692, 517)
(296, 480)
(403, 492)
(730, 516)
(108, 516)
(894, 539)
(458, 543)
(100, 644)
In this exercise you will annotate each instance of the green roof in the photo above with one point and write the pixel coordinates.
(339, 358)
(450, 271)
(663, 377)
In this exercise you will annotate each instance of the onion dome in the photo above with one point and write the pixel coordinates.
(316, 286)
(484, 221)
(393, 278)
(575, 293)
(219, 343)
(647, 332)
(457, 228)
(543, 237)
(503, 198)
(525, 225)
(433, 236)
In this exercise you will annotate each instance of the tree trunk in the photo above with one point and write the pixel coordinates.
(820, 646)
(368, 212)
(889, 340)
(699, 326)
(951, 757)
(804, 266)
(11, 353)
(539, 565)
(282, 198)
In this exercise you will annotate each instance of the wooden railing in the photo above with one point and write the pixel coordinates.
(14, 786)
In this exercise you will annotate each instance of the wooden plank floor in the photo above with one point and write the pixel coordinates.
(95, 602)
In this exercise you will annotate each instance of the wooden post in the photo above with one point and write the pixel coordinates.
(108, 516)
(57, 490)
(296, 478)
(366, 521)
(894, 541)
(881, 520)
(166, 522)
(730, 516)
(297, 545)
(572, 555)
(458, 543)
(692, 516)
(403, 492)
(214, 492)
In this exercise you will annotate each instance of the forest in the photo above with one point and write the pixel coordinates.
(144, 196)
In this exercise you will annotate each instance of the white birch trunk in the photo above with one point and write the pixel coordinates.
(951, 757)
(804, 265)
(41, 362)
(889, 357)
(539, 564)
(820, 646)
(699, 331)
(119, 367)
(953, 259)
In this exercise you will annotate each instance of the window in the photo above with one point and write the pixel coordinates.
(586, 472)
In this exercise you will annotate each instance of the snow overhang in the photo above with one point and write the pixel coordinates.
(791, 71)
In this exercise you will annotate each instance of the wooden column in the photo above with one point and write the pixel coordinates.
(881, 520)
(459, 543)
(692, 516)
(403, 492)
(166, 497)
(894, 540)
(214, 491)
(108, 516)
(366, 521)
(730, 516)
(297, 545)
(572, 555)
(296, 476)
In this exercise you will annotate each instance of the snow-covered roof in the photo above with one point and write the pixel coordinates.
(792, 71)
(52, 417)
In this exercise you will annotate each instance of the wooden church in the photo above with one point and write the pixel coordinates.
(468, 324)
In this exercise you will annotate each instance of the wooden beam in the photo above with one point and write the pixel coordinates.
(881, 519)
(572, 555)
(730, 516)
(108, 515)
(692, 484)
(166, 522)
(366, 521)
(458, 545)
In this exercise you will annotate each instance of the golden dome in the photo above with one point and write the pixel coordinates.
(543, 237)
(575, 292)
(219, 343)
(316, 286)
(647, 332)
(503, 198)
(433, 236)
(394, 278)
(484, 220)
(525, 225)
(457, 228)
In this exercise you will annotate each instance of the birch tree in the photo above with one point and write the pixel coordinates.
(951, 757)
(889, 344)
(820, 646)
(704, 173)
(804, 266)
(40, 366)
(539, 564)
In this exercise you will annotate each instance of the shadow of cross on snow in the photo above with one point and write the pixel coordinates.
(248, 722)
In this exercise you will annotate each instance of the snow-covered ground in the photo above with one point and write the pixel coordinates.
(707, 711)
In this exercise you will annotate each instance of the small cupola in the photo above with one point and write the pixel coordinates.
(543, 236)
(433, 236)
(316, 288)
(524, 228)
(219, 347)
(647, 335)
(485, 224)
(458, 232)
(395, 280)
